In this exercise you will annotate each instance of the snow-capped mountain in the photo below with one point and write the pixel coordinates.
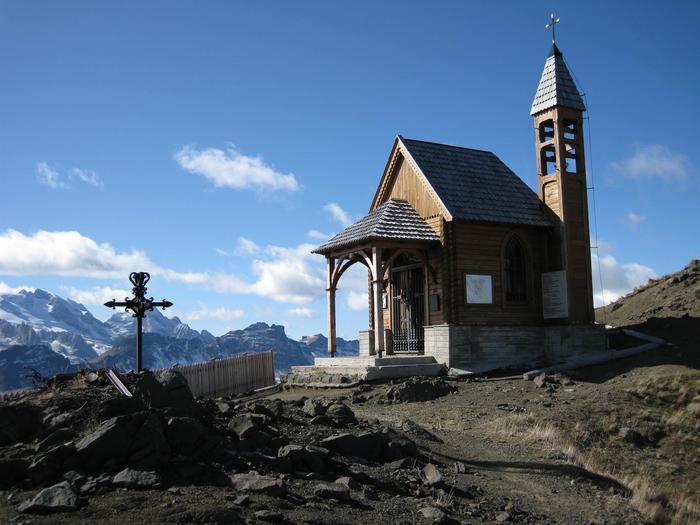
(45, 311)
(122, 324)
(49, 334)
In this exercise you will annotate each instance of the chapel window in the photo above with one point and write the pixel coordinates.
(515, 271)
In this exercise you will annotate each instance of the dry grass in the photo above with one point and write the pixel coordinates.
(660, 505)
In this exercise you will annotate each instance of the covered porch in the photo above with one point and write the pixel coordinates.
(394, 243)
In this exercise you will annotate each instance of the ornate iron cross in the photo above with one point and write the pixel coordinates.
(138, 305)
(553, 21)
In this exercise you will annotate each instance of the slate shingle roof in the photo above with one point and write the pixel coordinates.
(393, 220)
(556, 87)
(476, 185)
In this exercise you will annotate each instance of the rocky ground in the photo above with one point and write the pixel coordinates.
(417, 451)
(614, 443)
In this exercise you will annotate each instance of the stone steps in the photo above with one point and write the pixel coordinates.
(348, 371)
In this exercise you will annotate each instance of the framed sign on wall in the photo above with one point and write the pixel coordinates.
(479, 289)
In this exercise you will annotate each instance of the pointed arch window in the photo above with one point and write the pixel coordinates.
(515, 271)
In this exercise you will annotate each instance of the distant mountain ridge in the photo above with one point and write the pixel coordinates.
(44, 332)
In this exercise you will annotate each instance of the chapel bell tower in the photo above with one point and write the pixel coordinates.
(561, 180)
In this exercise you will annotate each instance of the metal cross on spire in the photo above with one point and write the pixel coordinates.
(552, 22)
(138, 305)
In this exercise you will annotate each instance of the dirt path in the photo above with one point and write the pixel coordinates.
(536, 481)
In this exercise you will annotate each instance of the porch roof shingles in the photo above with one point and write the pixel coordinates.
(393, 220)
(475, 185)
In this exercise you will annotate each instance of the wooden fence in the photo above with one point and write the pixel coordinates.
(234, 375)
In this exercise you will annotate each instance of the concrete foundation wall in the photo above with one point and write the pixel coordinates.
(367, 343)
(482, 348)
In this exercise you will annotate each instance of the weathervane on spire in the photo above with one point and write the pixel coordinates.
(551, 24)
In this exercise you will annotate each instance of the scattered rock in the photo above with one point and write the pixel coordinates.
(187, 436)
(269, 515)
(58, 436)
(632, 436)
(502, 517)
(244, 426)
(332, 491)
(254, 482)
(399, 464)
(432, 513)
(430, 475)
(367, 445)
(136, 479)
(60, 497)
(460, 468)
(540, 381)
(341, 414)
(314, 407)
(417, 389)
(348, 482)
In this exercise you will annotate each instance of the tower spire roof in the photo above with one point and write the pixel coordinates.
(556, 87)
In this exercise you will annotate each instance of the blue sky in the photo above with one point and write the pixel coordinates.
(214, 143)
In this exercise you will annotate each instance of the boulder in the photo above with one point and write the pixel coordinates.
(254, 482)
(244, 426)
(309, 458)
(136, 479)
(60, 497)
(180, 398)
(332, 491)
(12, 471)
(56, 437)
(187, 436)
(314, 407)
(150, 391)
(341, 414)
(19, 422)
(367, 445)
(149, 446)
(136, 437)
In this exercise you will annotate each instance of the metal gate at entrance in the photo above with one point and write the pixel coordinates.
(408, 310)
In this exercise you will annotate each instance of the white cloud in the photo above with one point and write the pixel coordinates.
(338, 213)
(633, 220)
(68, 253)
(286, 275)
(48, 176)
(618, 279)
(6, 288)
(96, 294)
(304, 312)
(317, 235)
(88, 177)
(655, 161)
(221, 313)
(247, 246)
(357, 300)
(223, 253)
(231, 169)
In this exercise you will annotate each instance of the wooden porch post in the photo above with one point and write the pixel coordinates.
(377, 300)
(330, 291)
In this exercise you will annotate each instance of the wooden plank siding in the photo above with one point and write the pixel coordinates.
(406, 184)
(478, 249)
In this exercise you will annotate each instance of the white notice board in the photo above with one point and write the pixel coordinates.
(479, 289)
(555, 300)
